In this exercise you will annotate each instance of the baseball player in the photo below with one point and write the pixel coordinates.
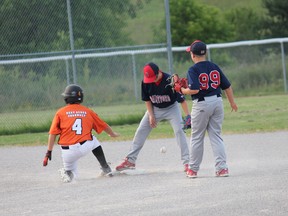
(74, 123)
(205, 81)
(161, 103)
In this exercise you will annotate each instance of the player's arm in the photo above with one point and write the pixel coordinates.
(193, 86)
(181, 99)
(100, 125)
(48, 155)
(230, 96)
(51, 141)
(185, 108)
(187, 118)
(110, 132)
(188, 91)
(152, 119)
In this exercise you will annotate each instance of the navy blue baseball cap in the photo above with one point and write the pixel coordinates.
(197, 48)
(150, 72)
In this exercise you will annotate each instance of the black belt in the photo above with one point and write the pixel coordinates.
(67, 147)
(203, 98)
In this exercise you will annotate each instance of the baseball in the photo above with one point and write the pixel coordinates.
(163, 149)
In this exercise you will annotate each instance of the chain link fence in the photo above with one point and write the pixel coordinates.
(39, 58)
(46, 45)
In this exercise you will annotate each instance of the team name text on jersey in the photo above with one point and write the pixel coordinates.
(71, 114)
(160, 98)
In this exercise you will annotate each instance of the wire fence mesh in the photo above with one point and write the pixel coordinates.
(36, 61)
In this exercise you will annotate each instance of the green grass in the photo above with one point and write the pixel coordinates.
(140, 27)
(255, 114)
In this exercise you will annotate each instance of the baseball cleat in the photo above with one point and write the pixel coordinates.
(191, 174)
(66, 176)
(222, 173)
(106, 171)
(125, 165)
(186, 167)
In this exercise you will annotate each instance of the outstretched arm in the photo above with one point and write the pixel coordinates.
(185, 107)
(188, 91)
(110, 132)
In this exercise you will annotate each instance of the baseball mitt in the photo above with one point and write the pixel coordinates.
(186, 122)
(177, 83)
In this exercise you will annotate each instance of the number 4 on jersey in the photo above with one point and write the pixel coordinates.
(77, 126)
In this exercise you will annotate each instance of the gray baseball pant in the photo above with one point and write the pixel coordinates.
(207, 115)
(173, 115)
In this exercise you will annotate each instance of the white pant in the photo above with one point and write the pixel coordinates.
(71, 156)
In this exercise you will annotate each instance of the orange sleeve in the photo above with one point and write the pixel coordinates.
(98, 124)
(55, 126)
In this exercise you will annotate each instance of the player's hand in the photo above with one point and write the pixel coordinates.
(177, 87)
(234, 107)
(177, 83)
(152, 121)
(114, 134)
(48, 155)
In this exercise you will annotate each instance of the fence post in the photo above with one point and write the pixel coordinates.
(134, 76)
(169, 41)
(67, 71)
(71, 41)
(284, 67)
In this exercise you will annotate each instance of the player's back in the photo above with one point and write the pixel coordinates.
(209, 79)
(75, 123)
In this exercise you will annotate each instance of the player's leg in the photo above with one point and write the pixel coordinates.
(173, 115)
(199, 119)
(99, 154)
(214, 131)
(69, 157)
(139, 139)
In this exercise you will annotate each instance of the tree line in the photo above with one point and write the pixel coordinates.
(30, 26)
(192, 20)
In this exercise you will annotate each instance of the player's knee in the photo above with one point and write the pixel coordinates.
(178, 132)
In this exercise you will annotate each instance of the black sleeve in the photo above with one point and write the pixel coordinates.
(180, 97)
(144, 92)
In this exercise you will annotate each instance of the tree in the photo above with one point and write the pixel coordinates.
(191, 20)
(246, 23)
(276, 23)
(28, 26)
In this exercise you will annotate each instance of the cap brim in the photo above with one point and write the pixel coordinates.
(188, 49)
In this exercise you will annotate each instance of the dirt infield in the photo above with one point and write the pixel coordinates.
(258, 182)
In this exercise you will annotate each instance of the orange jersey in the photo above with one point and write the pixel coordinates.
(74, 123)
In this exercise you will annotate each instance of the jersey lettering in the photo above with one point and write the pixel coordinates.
(157, 99)
(77, 126)
(214, 78)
